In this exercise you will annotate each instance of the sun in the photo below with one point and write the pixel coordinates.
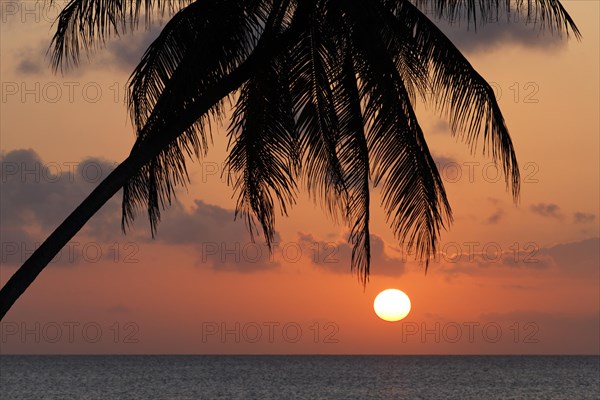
(392, 305)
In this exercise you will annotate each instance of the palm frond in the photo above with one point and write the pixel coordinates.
(87, 24)
(312, 59)
(404, 51)
(548, 14)
(201, 45)
(354, 159)
(214, 36)
(264, 159)
(459, 92)
(413, 194)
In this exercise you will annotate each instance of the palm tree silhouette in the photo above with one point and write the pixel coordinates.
(325, 93)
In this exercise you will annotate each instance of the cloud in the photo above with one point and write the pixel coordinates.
(32, 60)
(550, 210)
(122, 53)
(38, 195)
(29, 67)
(336, 256)
(444, 161)
(579, 260)
(46, 191)
(473, 258)
(583, 217)
(218, 239)
(440, 127)
(125, 52)
(497, 214)
(495, 217)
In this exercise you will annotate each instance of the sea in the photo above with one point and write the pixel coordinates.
(298, 377)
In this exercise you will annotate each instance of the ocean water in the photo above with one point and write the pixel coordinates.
(299, 377)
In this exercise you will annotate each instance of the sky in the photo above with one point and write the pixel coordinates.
(510, 279)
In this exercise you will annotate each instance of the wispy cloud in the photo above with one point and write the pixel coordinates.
(583, 217)
(579, 260)
(550, 210)
(336, 255)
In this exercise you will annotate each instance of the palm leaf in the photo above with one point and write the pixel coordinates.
(203, 43)
(412, 190)
(191, 34)
(354, 158)
(88, 24)
(548, 14)
(264, 158)
(459, 92)
(311, 60)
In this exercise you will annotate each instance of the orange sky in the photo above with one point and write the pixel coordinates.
(514, 278)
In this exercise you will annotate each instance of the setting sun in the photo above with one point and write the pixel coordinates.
(392, 305)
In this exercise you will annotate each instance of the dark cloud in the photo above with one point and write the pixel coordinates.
(336, 255)
(495, 217)
(444, 161)
(125, 52)
(38, 195)
(27, 14)
(583, 217)
(29, 67)
(219, 239)
(32, 59)
(579, 260)
(550, 210)
(440, 127)
(474, 258)
(46, 191)
(122, 53)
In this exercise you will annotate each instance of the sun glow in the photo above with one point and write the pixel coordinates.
(392, 305)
